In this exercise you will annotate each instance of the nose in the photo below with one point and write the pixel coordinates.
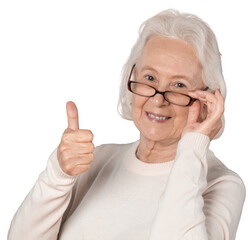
(159, 100)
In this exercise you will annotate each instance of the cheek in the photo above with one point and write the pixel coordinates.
(137, 107)
(181, 118)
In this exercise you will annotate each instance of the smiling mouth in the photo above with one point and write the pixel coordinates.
(157, 117)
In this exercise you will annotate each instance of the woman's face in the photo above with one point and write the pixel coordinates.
(168, 65)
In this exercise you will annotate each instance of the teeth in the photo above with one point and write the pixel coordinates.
(157, 117)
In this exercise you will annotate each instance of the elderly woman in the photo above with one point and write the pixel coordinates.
(168, 184)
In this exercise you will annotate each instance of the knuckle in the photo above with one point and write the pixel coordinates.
(89, 135)
(67, 168)
(91, 156)
(221, 111)
(222, 106)
(66, 138)
(80, 169)
(86, 168)
(67, 130)
(62, 148)
(66, 158)
(85, 135)
(87, 158)
(91, 147)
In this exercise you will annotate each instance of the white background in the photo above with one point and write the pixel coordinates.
(55, 51)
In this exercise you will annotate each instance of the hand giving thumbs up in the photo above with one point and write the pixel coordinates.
(75, 151)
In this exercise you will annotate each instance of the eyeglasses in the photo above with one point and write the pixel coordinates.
(146, 90)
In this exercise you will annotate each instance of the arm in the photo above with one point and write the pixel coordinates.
(40, 214)
(223, 205)
(186, 212)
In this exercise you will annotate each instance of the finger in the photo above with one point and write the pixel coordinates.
(84, 159)
(220, 102)
(80, 169)
(77, 149)
(76, 170)
(214, 103)
(77, 136)
(68, 161)
(203, 96)
(72, 115)
(84, 135)
(217, 128)
(194, 112)
(219, 97)
(208, 99)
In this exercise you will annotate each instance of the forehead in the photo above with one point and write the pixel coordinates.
(170, 57)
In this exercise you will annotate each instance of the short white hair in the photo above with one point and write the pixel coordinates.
(183, 26)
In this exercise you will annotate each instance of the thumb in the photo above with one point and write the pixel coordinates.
(194, 112)
(72, 115)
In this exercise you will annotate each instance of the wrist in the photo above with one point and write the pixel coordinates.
(197, 141)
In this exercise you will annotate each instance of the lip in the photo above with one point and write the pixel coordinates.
(157, 117)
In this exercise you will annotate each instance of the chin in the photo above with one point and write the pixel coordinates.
(160, 135)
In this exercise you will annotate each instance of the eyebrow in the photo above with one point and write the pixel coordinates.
(149, 68)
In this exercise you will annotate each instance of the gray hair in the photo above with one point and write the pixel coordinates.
(185, 27)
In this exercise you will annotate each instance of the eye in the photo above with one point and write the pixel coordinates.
(180, 85)
(149, 77)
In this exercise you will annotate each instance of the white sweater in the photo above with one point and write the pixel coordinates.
(193, 197)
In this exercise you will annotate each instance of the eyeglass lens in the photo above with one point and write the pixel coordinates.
(147, 91)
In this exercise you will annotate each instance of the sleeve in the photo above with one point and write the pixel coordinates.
(40, 214)
(185, 211)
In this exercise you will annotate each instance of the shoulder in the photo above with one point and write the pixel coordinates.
(217, 169)
(223, 181)
(224, 198)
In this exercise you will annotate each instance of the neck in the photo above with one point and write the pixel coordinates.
(156, 151)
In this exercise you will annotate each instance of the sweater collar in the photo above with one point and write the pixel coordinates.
(133, 164)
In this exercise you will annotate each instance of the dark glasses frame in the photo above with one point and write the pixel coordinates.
(191, 99)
